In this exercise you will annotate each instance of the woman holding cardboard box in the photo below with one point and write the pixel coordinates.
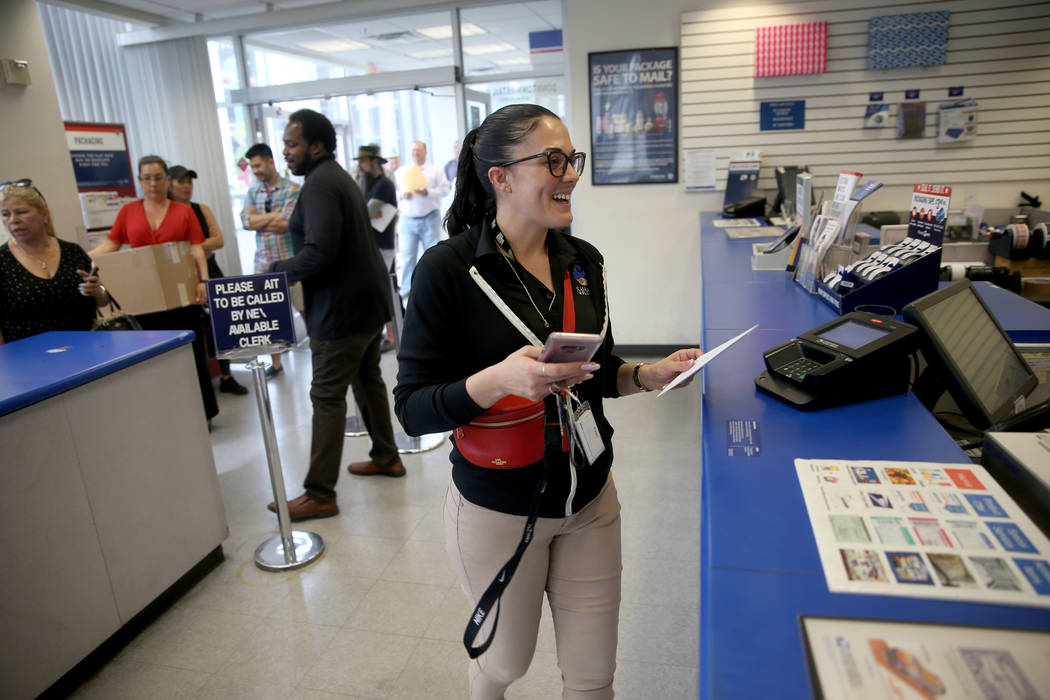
(46, 284)
(156, 219)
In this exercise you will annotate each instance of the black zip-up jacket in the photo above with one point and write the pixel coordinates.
(452, 330)
(345, 284)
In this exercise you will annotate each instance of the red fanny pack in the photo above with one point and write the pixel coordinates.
(507, 436)
(510, 434)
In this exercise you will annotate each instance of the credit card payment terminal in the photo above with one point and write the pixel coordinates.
(856, 357)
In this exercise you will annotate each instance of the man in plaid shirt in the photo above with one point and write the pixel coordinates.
(267, 207)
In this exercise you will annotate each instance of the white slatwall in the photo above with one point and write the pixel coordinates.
(999, 52)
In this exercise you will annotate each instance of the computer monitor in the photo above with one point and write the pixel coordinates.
(975, 359)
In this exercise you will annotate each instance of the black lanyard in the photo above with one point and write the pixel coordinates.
(490, 598)
(554, 443)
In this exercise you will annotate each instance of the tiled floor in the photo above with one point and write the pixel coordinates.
(380, 615)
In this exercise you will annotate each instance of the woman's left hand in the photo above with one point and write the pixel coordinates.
(90, 286)
(659, 374)
(202, 293)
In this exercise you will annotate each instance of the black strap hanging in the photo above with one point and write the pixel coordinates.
(489, 602)
(555, 443)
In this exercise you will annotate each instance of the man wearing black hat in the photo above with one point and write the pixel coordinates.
(379, 190)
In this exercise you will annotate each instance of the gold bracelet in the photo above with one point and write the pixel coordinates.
(637, 379)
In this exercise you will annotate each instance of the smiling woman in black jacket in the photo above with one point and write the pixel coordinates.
(525, 513)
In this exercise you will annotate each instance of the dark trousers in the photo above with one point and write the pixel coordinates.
(340, 363)
(188, 318)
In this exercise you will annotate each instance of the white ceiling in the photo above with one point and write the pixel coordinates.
(392, 43)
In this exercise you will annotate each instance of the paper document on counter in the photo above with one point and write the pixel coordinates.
(702, 361)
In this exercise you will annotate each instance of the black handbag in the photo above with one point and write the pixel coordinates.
(117, 319)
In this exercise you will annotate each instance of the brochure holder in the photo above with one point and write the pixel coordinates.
(905, 281)
(896, 289)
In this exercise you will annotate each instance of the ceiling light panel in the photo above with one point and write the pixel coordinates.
(445, 32)
(334, 45)
(432, 53)
(485, 49)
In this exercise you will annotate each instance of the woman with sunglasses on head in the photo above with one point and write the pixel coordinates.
(45, 283)
(156, 219)
(528, 511)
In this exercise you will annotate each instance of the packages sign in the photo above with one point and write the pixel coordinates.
(100, 157)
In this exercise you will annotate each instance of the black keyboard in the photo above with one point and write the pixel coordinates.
(798, 369)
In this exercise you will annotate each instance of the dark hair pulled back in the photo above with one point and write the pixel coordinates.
(491, 143)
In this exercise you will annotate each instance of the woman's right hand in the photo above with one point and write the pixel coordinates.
(522, 375)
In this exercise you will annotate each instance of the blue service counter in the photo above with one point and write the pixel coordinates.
(760, 569)
(108, 492)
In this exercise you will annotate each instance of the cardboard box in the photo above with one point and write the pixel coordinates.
(1032, 267)
(151, 278)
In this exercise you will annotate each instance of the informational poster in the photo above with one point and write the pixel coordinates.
(251, 315)
(929, 212)
(100, 158)
(870, 660)
(924, 530)
(699, 169)
(634, 112)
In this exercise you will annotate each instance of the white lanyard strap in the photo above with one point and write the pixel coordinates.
(517, 322)
(502, 306)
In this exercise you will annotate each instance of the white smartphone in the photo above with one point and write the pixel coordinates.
(570, 347)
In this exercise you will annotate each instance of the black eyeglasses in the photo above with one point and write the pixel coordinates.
(557, 161)
(24, 182)
(268, 204)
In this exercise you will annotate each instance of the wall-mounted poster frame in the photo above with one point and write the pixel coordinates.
(100, 157)
(634, 116)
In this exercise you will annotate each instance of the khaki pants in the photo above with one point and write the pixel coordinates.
(575, 560)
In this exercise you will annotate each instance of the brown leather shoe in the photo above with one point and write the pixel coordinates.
(305, 508)
(370, 468)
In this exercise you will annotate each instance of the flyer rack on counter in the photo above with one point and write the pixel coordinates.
(925, 530)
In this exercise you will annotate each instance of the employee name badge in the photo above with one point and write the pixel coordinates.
(587, 432)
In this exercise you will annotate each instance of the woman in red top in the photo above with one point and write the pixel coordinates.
(156, 219)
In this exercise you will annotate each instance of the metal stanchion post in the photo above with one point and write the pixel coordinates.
(291, 549)
(408, 444)
(355, 427)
